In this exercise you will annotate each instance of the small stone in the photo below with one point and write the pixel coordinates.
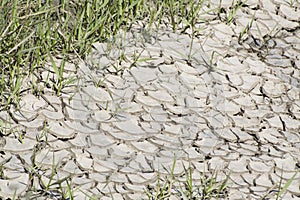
(106, 188)
(292, 137)
(258, 190)
(57, 145)
(118, 178)
(253, 147)
(229, 107)
(134, 195)
(164, 118)
(200, 166)
(267, 136)
(194, 102)
(244, 122)
(269, 5)
(294, 187)
(51, 99)
(117, 81)
(174, 129)
(276, 59)
(177, 109)
(131, 107)
(97, 152)
(217, 120)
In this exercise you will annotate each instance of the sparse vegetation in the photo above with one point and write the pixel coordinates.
(43, 35)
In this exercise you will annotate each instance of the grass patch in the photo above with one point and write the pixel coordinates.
(32, 33)
(207, 188)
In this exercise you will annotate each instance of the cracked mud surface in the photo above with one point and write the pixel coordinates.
(235, 110)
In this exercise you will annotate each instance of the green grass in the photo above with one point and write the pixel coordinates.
(185, 186)
(36, 33)
(33, 33)
(207, 188)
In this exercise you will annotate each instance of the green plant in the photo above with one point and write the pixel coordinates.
(60, 82)
(246, 30)
(230, 12)
(283, 189)
(277, 191)
(162, 190)
(54, 186)
(208, 188)
(291, 3)
(35, 32)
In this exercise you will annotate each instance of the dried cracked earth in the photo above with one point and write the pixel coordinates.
(233, 107)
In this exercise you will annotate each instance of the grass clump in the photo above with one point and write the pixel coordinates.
(207, 188)
(34, 32)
